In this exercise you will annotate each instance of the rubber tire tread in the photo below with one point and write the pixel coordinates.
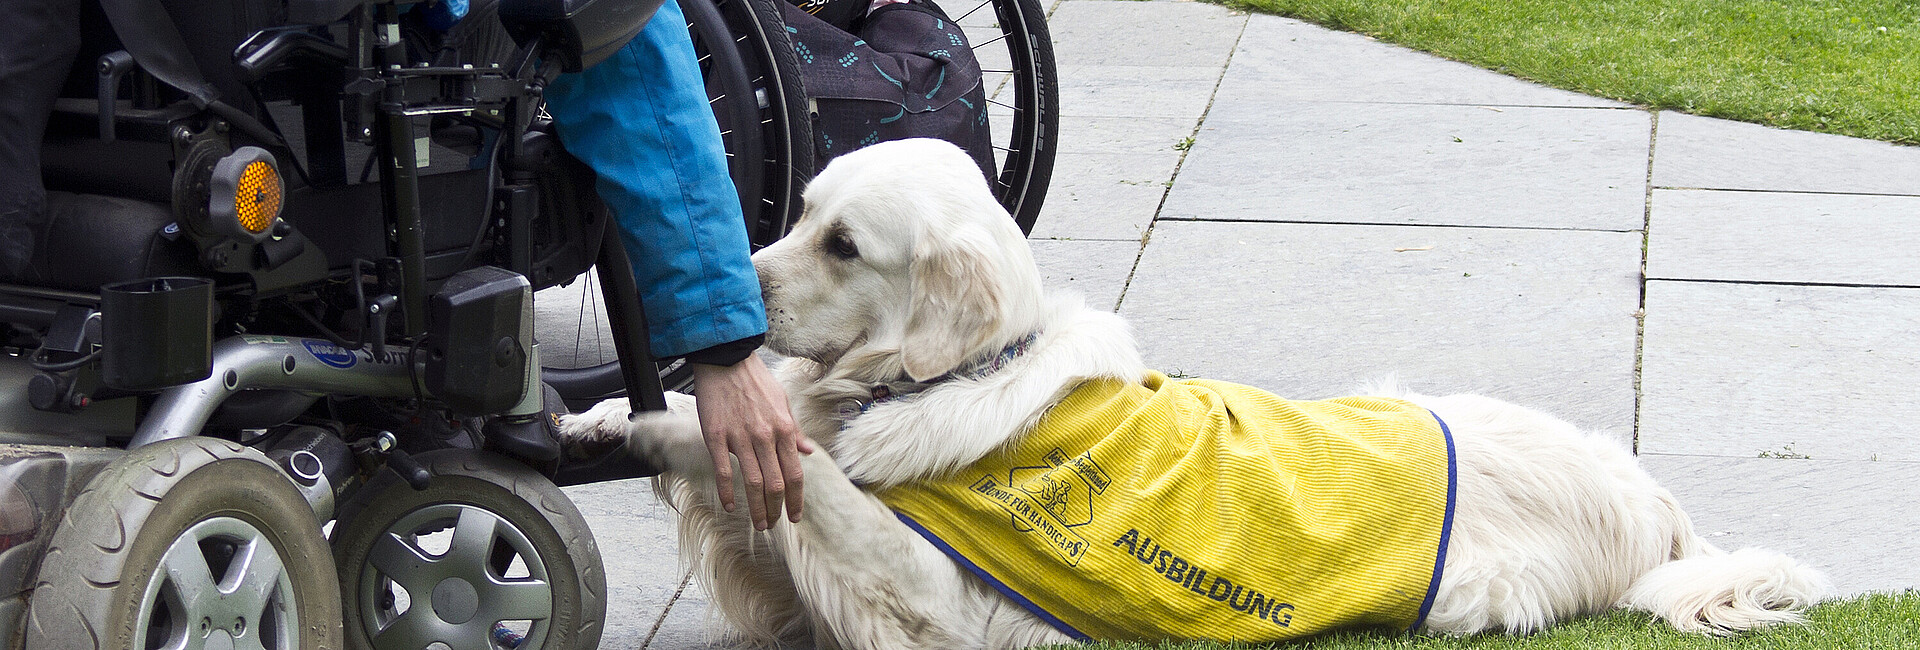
(793, 119)
(760, 38)
(492, 482)
(76, 601)
(1025, 205)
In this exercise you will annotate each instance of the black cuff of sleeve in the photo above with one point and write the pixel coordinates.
(727, 354)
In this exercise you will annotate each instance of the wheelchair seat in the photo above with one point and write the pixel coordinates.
(93, 240)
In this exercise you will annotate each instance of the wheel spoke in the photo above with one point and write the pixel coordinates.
(252, 640)
(996, 39)
(472, 543)
(401, 562)
(192, 579)
(519, 600)
(260, 571)
(970, 11)
(412, 631)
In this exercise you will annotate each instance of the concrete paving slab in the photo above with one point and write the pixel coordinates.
(1291, 60)
(1784, 237)
(571, 325)
(1540, 318)
(635, 533)
(690, 625)
(1418, 164)
(1701, 152)
(1096, 269)
(1127, 32)
(1136, 90)
(1851, 519)
(1104, 196)
(1744, 370)
(1117, 134)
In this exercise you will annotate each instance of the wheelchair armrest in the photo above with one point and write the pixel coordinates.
(272, 50)
(580, 33)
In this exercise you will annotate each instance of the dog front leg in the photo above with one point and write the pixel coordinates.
(734, 563)
(870, 582)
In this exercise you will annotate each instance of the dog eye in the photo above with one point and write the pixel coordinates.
(842, 245)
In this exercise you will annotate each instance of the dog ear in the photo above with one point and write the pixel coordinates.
(957, 305)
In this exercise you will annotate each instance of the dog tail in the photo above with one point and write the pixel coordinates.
(1705, 589)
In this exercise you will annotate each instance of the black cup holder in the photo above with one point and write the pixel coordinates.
(157, 332)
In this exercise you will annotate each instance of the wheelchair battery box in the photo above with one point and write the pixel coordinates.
(479, 338)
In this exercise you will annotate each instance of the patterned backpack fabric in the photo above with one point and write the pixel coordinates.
(903, 71)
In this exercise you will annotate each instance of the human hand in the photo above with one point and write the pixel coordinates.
(743, 413)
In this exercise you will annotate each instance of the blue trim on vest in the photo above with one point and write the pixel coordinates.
(996, 583)
(1446, 527)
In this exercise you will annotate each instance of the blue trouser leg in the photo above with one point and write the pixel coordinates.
(640, 119)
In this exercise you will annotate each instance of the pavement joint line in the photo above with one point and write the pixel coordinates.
(1246, 18)
(1785, 460)
(1629, 107)
(1646, 243)
(684, 581)
(1308, 222)
(1749, 190)
(1784, 283)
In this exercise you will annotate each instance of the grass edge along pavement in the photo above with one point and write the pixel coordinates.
(1869, 622)
(1848, 67)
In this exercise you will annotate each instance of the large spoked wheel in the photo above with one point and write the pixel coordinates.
(1015, 52)
(490, 555)
(187, 543)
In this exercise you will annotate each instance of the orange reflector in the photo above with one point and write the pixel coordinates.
(257, 200)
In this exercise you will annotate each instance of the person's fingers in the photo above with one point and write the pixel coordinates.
(756, 481)
(776, 481)
(803, 443)
(790, 467)
(722, 472)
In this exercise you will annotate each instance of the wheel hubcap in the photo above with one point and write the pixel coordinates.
(221, 581)
(414, 595)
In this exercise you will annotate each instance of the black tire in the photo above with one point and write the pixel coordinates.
(203, 509)
(753, 82)
(472, 494)
(1026, 158)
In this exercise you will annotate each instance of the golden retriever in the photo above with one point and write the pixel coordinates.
(904, 269)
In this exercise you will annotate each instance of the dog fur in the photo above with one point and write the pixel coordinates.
(905, 268)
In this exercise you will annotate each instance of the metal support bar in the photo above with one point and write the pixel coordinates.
(629, 323)
(278, 362)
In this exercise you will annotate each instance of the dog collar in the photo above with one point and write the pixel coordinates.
(990, 366)
(884, 392)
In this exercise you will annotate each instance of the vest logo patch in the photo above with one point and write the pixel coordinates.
(1050, 500)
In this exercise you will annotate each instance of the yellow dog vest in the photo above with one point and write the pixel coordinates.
(1203, 510)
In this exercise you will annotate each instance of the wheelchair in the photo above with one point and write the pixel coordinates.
(282, 380)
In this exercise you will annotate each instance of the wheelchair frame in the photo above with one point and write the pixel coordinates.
(262, 387)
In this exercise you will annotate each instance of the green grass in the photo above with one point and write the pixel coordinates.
(1841, 66)
(1874, 622)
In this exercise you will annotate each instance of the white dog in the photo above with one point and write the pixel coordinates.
(922, 342)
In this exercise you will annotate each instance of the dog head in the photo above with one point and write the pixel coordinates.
(902, 263)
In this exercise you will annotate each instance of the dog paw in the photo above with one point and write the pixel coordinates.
(612, 423)
(595, 432)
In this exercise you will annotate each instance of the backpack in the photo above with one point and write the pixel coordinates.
(903, 71)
